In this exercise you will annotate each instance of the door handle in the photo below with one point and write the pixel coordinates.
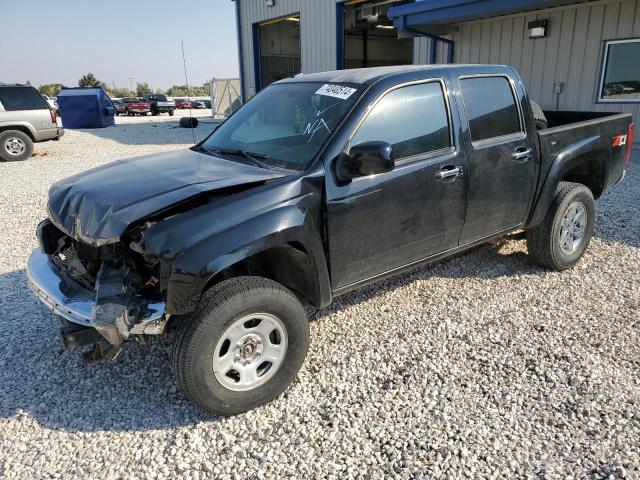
(522, 153)
(449, 172)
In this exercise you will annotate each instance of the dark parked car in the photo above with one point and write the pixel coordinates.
(119, 106)
(198, 104)
(319, 185)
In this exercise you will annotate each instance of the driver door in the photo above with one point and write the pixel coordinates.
(380, 223)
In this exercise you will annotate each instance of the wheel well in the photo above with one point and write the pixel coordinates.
(288, 264)
(590, 173)
(20, 128)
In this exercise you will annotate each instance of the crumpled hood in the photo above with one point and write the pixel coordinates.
(98, 205)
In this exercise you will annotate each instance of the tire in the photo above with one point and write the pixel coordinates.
(15, 146)
(203, 335)
(544, 242)
(539, 119)
(171, 113)
(154, 113)
(188, 122)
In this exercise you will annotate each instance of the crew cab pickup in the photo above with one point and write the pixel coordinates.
(133, 106)
(319, 185)
(159, 104)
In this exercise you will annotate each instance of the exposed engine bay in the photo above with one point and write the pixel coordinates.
(123, 277)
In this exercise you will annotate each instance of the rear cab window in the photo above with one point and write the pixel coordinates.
(413, 119)
(22, 98)
(491, 107)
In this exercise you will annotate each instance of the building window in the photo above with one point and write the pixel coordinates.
(620, 74)
(491, 107)
(424, 127)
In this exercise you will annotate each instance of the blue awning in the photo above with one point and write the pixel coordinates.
(435, 16)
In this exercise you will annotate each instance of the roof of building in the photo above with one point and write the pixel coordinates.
(433, 15)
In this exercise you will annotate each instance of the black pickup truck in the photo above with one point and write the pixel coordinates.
(159, 104)
(320, 184)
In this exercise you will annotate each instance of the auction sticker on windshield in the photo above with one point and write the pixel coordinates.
(337, 91)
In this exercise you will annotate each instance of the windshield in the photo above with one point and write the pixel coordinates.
(285, 124)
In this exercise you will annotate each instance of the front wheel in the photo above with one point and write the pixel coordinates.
(242, 346)
(561, 239)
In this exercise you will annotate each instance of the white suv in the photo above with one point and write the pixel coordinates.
(25, 118)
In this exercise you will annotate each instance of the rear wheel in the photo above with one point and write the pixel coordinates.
(171, 113)
(242, 346)
(562, 238)
(15, 146)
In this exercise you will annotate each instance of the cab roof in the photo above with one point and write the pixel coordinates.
(371, 75)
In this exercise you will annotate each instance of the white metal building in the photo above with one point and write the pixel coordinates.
(572, 54)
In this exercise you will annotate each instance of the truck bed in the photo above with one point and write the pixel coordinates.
(592, 132)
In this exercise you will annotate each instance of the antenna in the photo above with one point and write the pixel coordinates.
(186, 81)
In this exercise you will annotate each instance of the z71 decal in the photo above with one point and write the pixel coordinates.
(619, 141)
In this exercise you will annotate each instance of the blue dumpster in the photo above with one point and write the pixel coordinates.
(85, 108)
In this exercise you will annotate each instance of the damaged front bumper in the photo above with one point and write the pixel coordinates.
(115, 317)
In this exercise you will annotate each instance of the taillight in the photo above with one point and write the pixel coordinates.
(627, 158)
(53, 115)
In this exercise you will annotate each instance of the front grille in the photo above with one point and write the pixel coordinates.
(69, 262)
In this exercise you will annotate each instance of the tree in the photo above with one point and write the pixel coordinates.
(177, 91)
(90, 80)
(121, 92)
(194, 91)
(142, 89)
(51, 89)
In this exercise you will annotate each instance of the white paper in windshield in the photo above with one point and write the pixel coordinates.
(336, 91)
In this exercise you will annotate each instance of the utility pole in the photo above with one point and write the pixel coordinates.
(131, 84)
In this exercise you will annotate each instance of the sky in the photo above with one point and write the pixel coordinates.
(57, 42)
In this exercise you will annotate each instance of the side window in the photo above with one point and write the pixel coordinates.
(490, 106)
(412, 119)
(21, 98)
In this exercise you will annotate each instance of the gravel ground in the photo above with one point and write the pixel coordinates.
(482, 366)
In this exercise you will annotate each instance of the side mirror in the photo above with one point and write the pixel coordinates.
(367, 158)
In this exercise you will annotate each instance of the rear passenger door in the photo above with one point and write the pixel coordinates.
(383, 222)
(501, 158)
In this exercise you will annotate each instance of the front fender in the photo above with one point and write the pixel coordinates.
(194, 268)
(583, 151)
